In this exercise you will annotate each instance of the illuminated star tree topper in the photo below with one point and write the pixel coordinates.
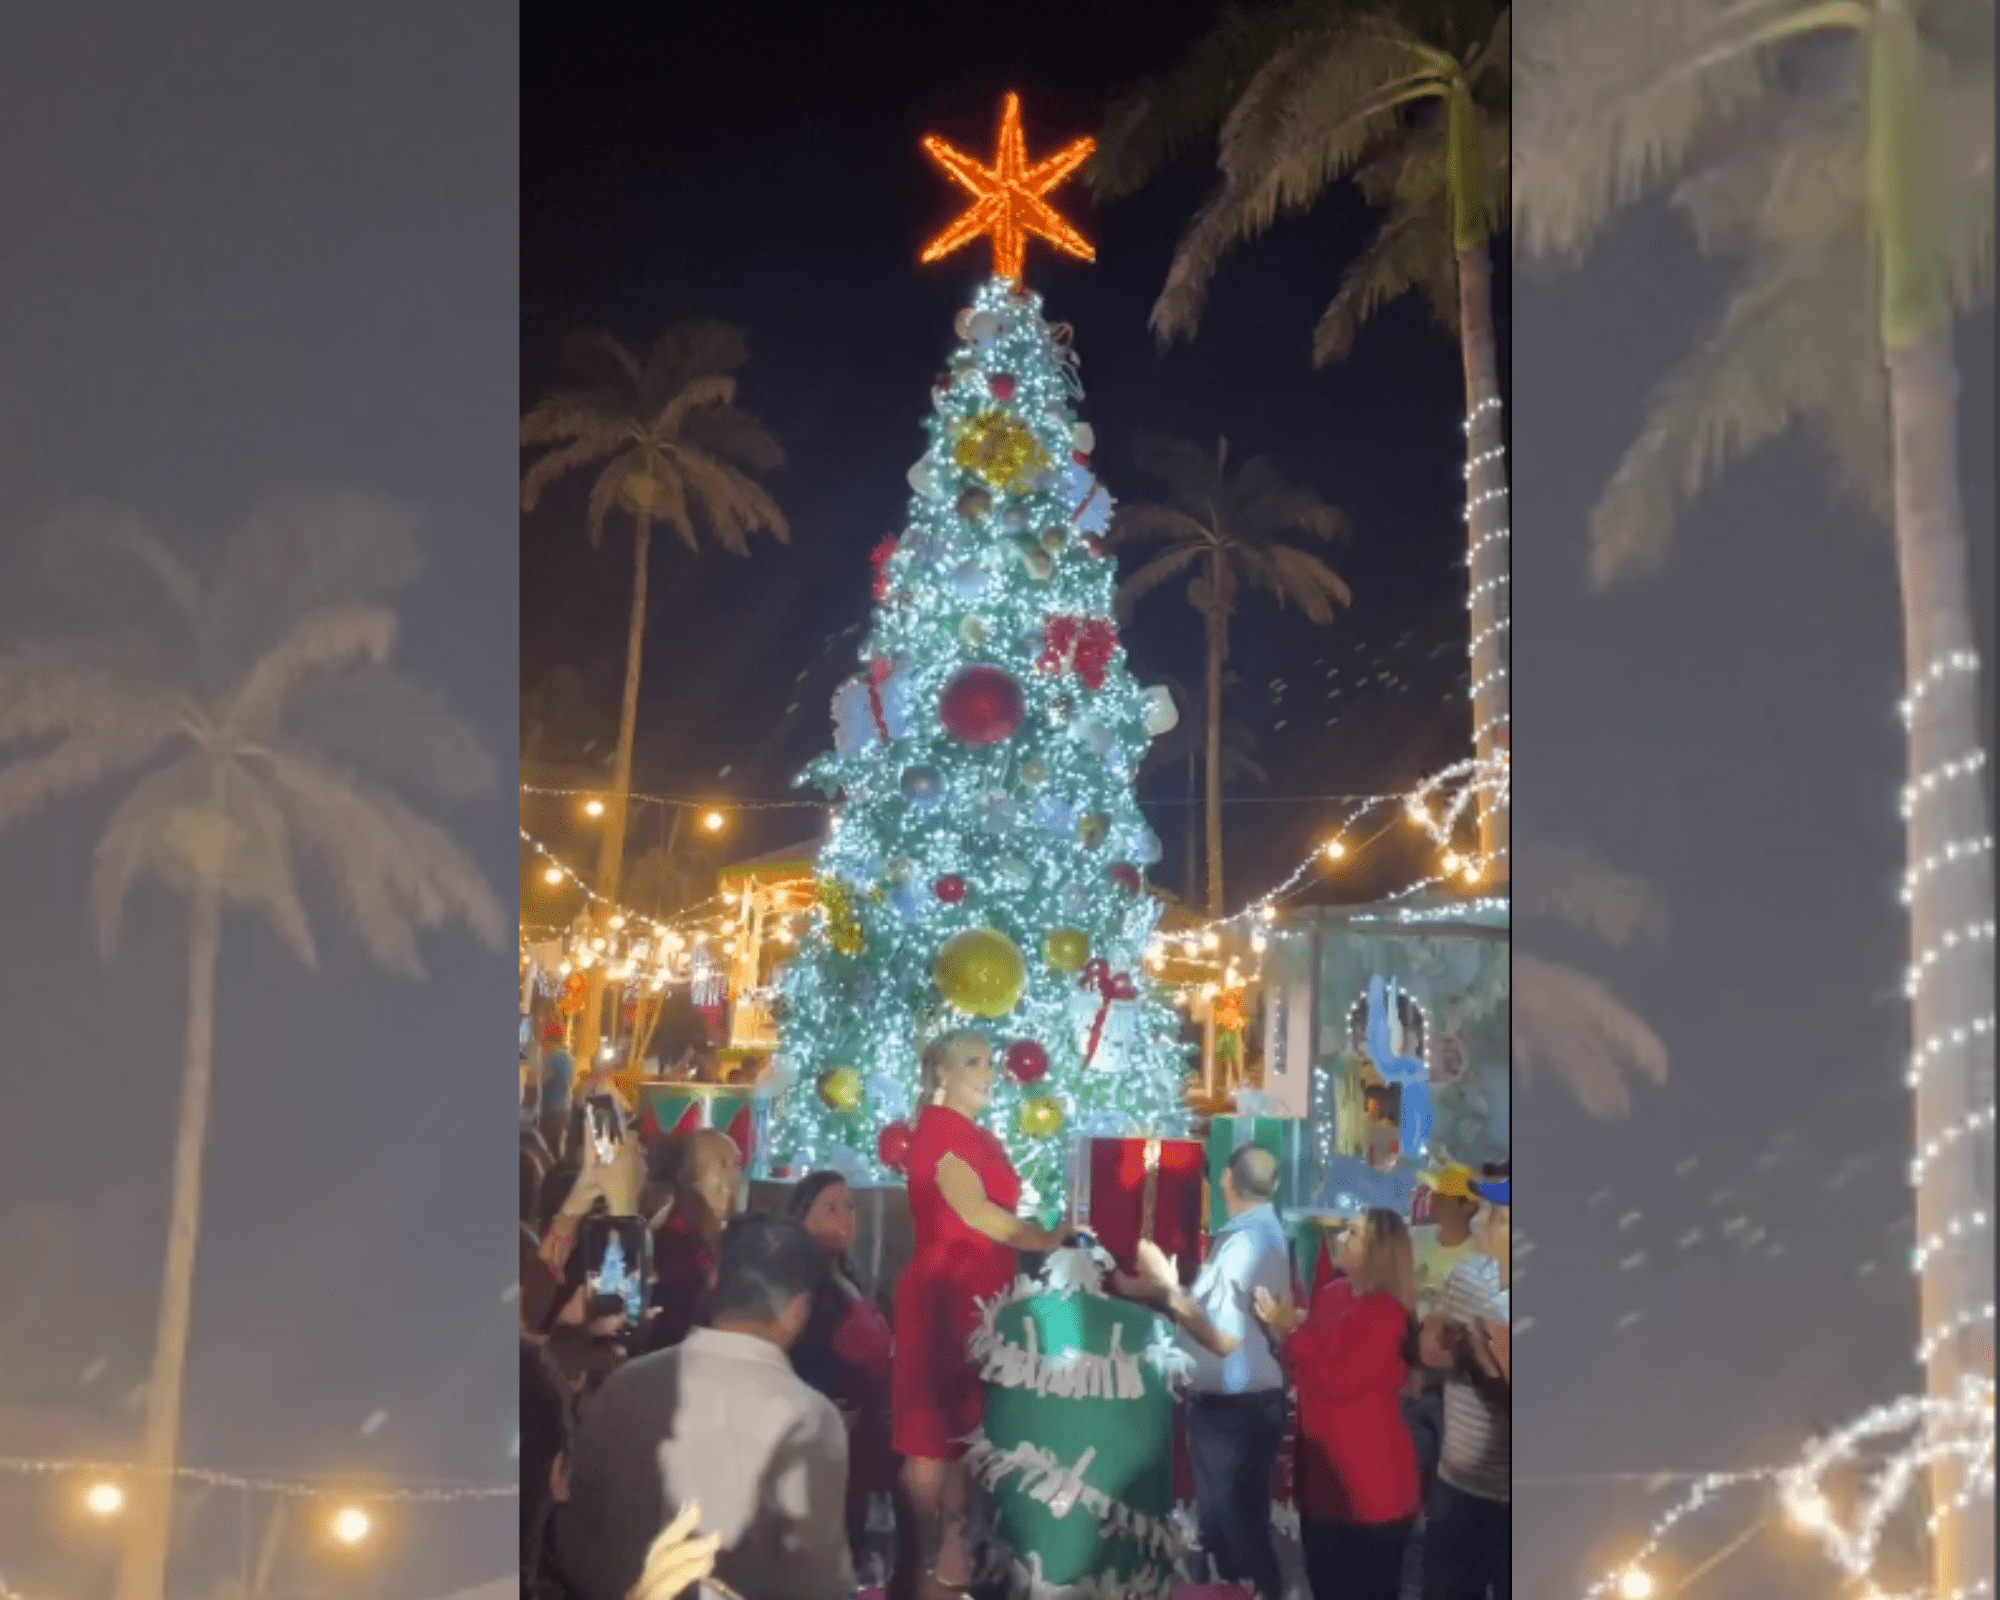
(1008, 196)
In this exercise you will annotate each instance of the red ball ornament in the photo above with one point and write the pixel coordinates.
(950, 888)
(892, 1146)
(1126, 877)
(981, 706)
(1027, 1062)
(1002, 386)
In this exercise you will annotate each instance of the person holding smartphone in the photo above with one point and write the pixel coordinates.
(1468, 1532)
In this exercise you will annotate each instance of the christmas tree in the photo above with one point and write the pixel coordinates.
(985, 863)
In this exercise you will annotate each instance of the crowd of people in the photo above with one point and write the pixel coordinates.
(735, 1414)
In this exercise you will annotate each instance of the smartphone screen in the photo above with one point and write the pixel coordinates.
(607, 1126)
(617, 1264)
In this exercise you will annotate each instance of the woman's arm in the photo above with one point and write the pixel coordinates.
(966, 1195)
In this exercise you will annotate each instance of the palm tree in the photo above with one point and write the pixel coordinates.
(253, 717)
(1845, 152)
(1565, 1020)
(669, 446)
(1411, 102)
(1232, 532)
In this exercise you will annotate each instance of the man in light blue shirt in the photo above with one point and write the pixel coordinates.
(1237, 1412)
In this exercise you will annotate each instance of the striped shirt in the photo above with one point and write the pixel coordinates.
(1477, 1451)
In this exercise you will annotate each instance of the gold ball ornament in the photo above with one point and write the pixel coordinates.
(1042, 1117)
(980, 972)
(846, 938)
(997, 447)
(973, 632)
(1034, 772)
(840, 1090)
(1066, 949)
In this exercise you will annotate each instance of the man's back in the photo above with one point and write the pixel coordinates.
(721, 1420)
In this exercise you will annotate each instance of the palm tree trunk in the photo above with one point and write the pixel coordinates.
(1191, 876)
(1217, 620)
(1488, 557)
(142, 1572)
(1950, 915)
(611, 849)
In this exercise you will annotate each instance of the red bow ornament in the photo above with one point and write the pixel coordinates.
(1111, 987)
(1084, 647)
(879, 558)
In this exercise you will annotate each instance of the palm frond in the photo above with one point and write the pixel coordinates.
(608, 490)
(1573, 886)
(1191, 474)
(261, 873)
(1795, 342)
(559, 463)
(1411, 250)
(1163, 568)
(1492, 65)
(396, 873)
(92, 552)
(578, 415)
(320, 641)
(1299, 578)
(1158, 120)
(1572, 1026)
(78, 762)
(64, 686)
(734, 505)
(687, 353)
(380, 722)
(1612, 100)
(131, 842)
(600, 360)
(732, 435)
(1144, 524)
(1310, 121)
(299, 553)
(712, 390)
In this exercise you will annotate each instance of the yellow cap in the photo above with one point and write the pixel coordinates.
(1453, 1182)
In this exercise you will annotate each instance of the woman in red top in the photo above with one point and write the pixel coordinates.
(1355, 1472)
(844, 1350)
(963, 1191)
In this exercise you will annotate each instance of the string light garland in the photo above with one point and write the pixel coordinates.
(401, 1491)
(1489, 609)
(1948, 982)
(1959, 1430)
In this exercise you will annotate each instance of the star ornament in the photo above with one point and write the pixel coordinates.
(1008, 201)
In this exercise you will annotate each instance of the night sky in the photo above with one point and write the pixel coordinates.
(1727, 731)
(761, 164)
(250, 250)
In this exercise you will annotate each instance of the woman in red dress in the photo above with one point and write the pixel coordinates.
(1355, 1467)
(963, 1191)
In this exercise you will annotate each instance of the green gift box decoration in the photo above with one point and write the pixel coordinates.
(1077, 1446)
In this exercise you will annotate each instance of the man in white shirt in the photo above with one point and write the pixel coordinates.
(1237, 1412)
(721, 1419)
